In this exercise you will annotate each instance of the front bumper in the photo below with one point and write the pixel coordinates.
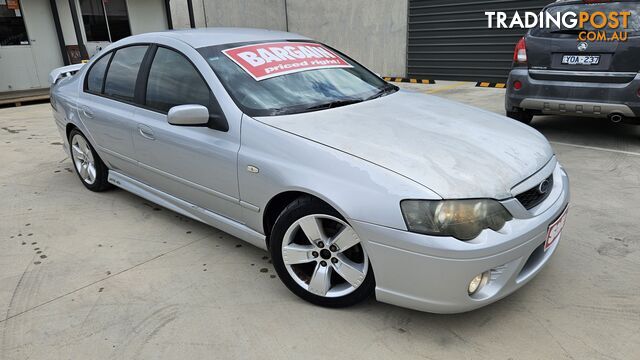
(591, 99)
(432, 274)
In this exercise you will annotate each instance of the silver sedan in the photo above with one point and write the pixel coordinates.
(353, 185)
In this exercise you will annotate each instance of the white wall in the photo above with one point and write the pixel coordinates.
(64, 12)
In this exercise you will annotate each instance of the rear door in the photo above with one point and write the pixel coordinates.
(560, 49)
(106, 108)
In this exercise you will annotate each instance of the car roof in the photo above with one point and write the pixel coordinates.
(204, 37)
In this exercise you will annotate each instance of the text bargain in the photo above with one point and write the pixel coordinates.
(267, 60)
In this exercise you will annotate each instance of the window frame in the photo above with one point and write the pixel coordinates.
(143, 86)
(106, 19)
(140, 86)
(26, 29)
(111, 53)
(249, 111)
(135, 83)
(85, 85)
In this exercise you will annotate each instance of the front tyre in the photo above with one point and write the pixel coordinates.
(90, 169)
(318, 256)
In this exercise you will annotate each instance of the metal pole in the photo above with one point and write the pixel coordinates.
(286, 16)
(76, 27)
(192, 20)
(104, 12)
(56, 22)
(167, 9)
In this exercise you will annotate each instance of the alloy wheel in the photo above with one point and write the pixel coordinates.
(324, 255)
(83, 159)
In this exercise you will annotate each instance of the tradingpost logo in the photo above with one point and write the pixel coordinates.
(589, 26)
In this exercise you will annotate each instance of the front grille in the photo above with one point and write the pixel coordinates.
(533, 197)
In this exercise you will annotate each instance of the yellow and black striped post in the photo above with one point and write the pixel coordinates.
(491, 85)
(408, 80)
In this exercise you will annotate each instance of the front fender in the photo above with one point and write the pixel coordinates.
(358, 189)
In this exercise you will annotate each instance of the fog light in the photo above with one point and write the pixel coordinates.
(478, 282)
(517, 85)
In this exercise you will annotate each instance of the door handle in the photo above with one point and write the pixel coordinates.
(146, 132)
(87, 112)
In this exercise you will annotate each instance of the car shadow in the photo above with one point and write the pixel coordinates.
(589, 132)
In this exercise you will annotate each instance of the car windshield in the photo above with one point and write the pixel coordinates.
(297, 92)
(632, 6)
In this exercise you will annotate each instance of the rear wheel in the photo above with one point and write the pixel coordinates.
(90, 169)
(523, 116)
(318, 255)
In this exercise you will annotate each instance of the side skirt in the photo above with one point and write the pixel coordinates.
(187, 209)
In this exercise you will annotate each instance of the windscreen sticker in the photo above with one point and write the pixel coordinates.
(267, 60)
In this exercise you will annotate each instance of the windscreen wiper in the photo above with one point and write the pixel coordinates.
(333, 104)
(328, 105)
(387, 89)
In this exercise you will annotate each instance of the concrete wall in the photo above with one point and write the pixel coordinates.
(180, 14)
(265, 14)
(372, 32)
(146, 16)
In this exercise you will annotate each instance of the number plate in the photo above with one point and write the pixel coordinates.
(555, 230)
(581, 59)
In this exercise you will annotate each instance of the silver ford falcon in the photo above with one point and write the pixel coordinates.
(352, 185)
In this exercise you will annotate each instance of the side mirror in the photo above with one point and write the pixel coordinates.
(188, 115)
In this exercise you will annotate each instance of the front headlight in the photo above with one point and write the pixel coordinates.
(462, 219)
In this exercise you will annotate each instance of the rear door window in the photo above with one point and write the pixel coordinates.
(173, 81)
(121, 77)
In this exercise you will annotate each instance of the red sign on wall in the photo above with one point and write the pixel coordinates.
(267, 60)
(13, 5)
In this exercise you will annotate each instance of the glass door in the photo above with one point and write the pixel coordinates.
(105, 21)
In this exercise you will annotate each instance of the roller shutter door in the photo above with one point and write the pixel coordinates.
(450, 40)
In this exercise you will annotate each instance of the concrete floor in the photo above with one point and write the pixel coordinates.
(110, 275)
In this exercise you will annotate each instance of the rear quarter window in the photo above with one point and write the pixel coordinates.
(95, 77)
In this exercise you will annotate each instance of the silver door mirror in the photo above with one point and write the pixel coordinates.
(188, 115)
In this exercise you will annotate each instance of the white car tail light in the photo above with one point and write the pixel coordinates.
(520, 53)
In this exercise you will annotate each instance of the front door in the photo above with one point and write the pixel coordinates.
(195, 164)
(28, 45)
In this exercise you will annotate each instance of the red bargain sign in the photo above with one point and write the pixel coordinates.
(267, 60)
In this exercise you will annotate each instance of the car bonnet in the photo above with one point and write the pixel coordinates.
(455, 150)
